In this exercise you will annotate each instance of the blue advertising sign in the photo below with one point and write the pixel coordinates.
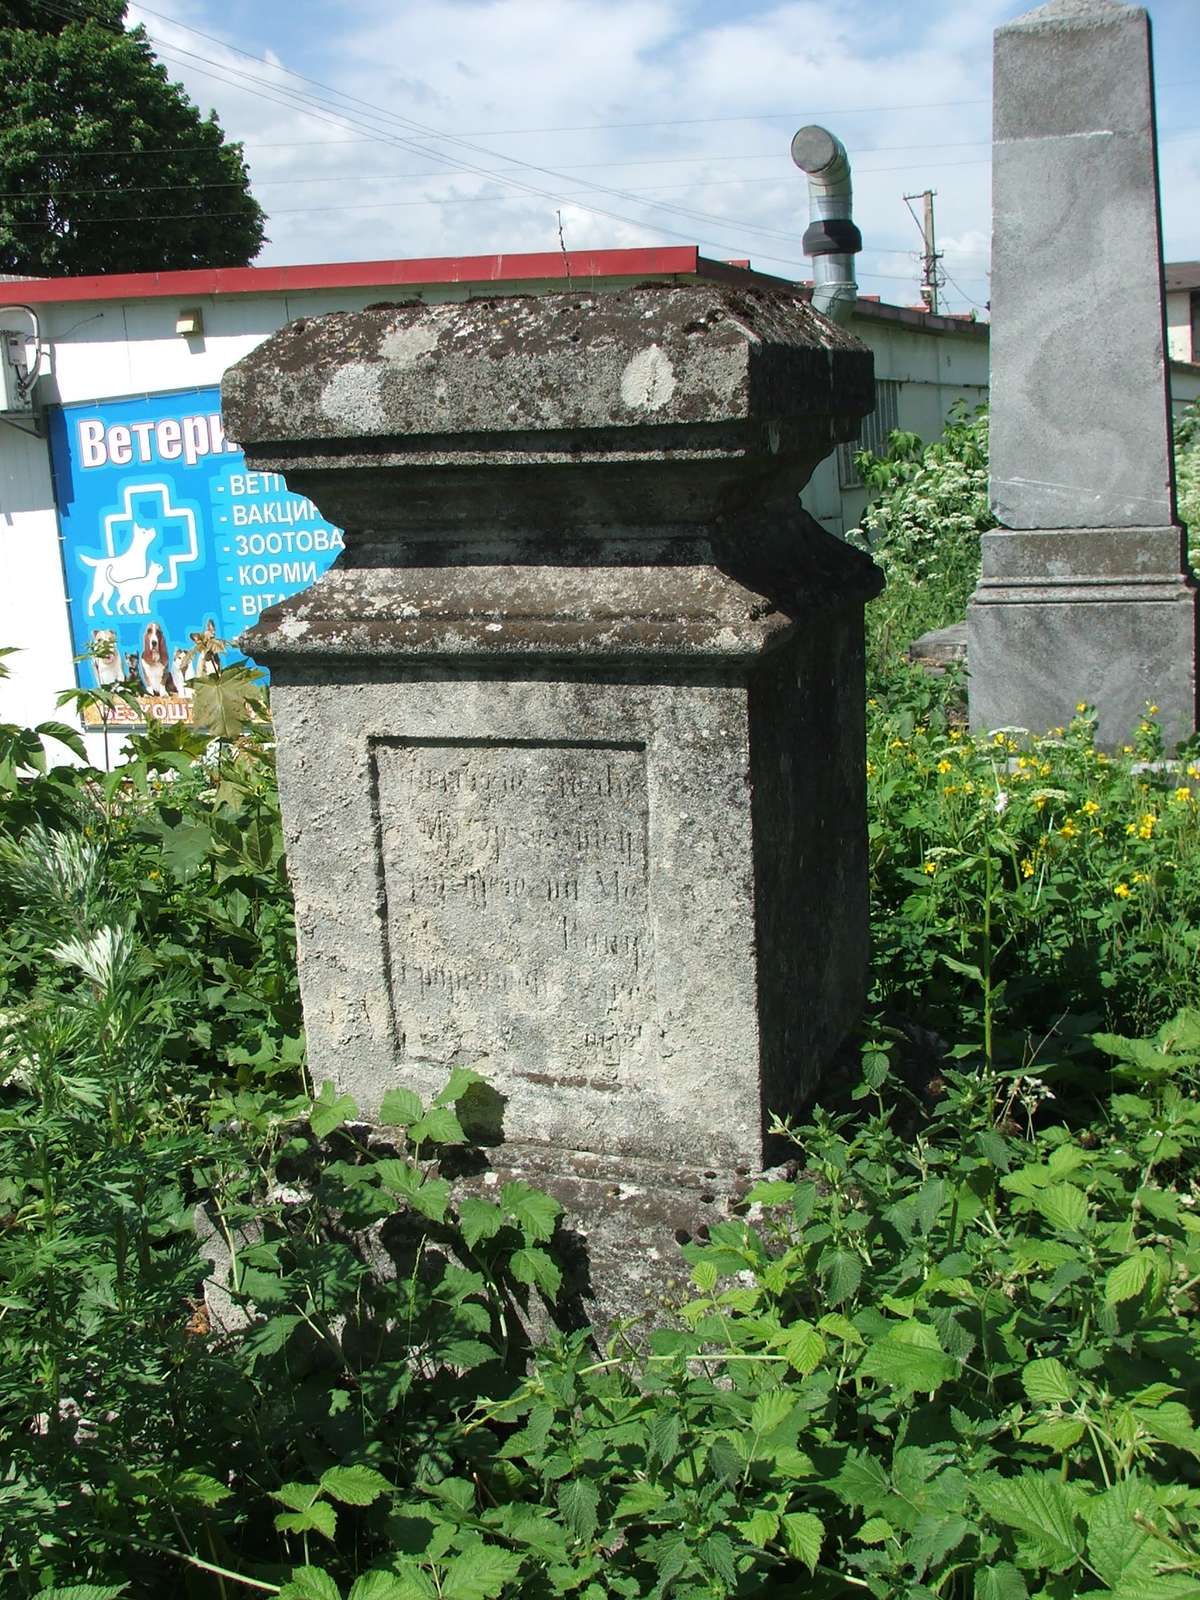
(171, 547)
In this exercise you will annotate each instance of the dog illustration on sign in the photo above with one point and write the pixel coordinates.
(124, 575)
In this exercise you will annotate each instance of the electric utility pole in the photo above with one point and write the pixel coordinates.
(932, 276)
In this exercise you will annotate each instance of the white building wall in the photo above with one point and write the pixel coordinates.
(1179, 326)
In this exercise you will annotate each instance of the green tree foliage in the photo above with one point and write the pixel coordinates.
(1187, 476)
(105, 165)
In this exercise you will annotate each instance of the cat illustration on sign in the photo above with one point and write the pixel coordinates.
(113, 574)
(134, 593)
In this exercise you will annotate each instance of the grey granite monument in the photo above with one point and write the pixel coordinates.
(1084, 593)
(571, 739)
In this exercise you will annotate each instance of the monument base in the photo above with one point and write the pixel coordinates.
(1107, 617)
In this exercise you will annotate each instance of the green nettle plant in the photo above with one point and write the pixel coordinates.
(1187, 476)
(928, 508)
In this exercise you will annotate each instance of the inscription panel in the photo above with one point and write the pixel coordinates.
(517, 909)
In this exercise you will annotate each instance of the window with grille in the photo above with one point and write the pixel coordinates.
(873, 435)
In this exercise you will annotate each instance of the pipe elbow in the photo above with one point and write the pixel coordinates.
(831, 239)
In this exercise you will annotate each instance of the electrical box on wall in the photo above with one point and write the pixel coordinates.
(16, 383)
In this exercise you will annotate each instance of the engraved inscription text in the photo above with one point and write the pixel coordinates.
(517, 917)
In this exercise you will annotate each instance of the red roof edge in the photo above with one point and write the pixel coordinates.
(581, 266)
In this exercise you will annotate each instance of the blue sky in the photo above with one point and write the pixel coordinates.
(636, 121)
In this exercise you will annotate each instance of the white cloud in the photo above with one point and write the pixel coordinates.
(345, 180)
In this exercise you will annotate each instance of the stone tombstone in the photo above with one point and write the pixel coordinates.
(571, 738)
(1084, 593)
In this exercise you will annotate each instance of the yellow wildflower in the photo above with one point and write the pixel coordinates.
(956, 733)
(1147, 825)
(872, 702)
(931, 867)
(1080, 707)
(949, 788)
(1039, 801)
(1193, 770)
(870, 769)
(1027, 868)
(1090, 808)
(896, 744)
(1152, 710)
(1122, 891)
(944, 766)
(1068, 829)
(1139, 877)
(969, 787)
(1044, 769)
(1182, 797)
(1126, 749)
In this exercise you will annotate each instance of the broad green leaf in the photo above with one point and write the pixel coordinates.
(479, 1219)
(933, 1536)
(330, 1110)
(716, 1553)
(909, 1358)
(297, 1496)
(639, 1499)
(536, 1267)
(705, 1276)
(534, 1213)
(1064, 1207)
(1000, 1581)
(1048, 1380)
(439, 1125)
(1039, 1506)
(1129, 1277)
(803, 1346)
(479, 1573)
(310, 1583)
(354, 1485)
(863, 1482)
(319, 1518)
(1170, 1423)
(1061, 1433)
(578, 1502)
(85, 1591)
(771, 1410)
(400, 1108)
(843, 1271)
(384, 1586)
(460, 1080)
(200, 1488)
(803, 1533)
(771, 1193)
(875, 1530)
(759, 1528)
(963, 967)
(839, 1327)
(664, 1436)
(466, 1354)
(220, 703)
(1118, 1546)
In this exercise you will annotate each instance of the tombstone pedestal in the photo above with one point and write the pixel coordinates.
(571, 740)
(1080, 614)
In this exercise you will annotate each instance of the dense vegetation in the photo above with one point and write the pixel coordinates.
(954, 1355)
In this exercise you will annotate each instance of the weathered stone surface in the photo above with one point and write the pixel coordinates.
(1079, 434)
(571, 740)
(1085, 593)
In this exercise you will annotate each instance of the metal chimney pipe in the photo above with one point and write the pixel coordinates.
(831, 238)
